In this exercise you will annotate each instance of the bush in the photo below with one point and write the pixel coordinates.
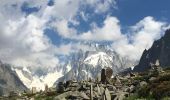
(144, 91)
(165, 77)
(161, 90)
(132, 97)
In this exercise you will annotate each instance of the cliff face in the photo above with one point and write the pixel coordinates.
(160, 50)
(9, 81)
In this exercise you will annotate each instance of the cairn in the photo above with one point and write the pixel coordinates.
(103, 76)
(106, 75)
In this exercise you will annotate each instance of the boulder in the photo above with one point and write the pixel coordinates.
(71, 94)
(60, 87)
(107, 94)
(143, 83)
(103, 76)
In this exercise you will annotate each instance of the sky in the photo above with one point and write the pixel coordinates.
(39, 32)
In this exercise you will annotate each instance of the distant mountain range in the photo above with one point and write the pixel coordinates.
(79, 66)
(88, 64)
(160, 50)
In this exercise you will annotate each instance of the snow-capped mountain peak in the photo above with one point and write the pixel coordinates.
(100, 57)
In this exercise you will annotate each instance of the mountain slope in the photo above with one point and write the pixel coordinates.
(160, 50)
(88, 64)
(31, 79)
(9, 80)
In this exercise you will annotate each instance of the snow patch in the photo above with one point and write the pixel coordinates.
(38, 82)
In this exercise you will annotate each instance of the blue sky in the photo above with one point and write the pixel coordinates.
(47, 30)
(129, 12)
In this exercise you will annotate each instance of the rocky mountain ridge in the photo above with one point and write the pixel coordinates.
(88, 64)
(9, 80)
(160, 50)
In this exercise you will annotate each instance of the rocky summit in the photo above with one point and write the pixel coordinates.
(160, 50)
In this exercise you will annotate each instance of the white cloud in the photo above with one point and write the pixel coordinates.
(26, 44)
(142, 36)
(109, 32)
(100, 6)
(64, 9)
(84, 16)
(22, 40)
(63, 29)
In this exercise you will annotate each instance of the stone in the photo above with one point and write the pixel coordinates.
(132, 74)
(74, 84)
(34, 90)
(102, 89)
(157, 62)
(91, 92)
(103, 76)
(152, 79)
(13, 94)
(132, 89)
(46, 88)
(71, 94)
(111, 88)
(109, 72)
(143, 83)
(60, 87)
(68, 83)
(118, 83)
(119, 95)
(107, 94)
(98, 90)
(83, 88)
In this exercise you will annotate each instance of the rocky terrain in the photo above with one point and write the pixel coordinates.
(153, 84)
(9, 81)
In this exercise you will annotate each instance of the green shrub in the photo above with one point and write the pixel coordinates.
(164, 77)
(132, 97)
(161, 90)
(144, 91)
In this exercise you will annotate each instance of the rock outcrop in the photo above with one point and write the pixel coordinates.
(9, 80)
(160, 50)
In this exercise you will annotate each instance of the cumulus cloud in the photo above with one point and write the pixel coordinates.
(63, 29)
(101, 6)
(131, 45)
(142, 36)
(23, 42)
(109, 32)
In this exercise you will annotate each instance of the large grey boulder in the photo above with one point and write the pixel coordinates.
(75, 94)
(107, 94)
